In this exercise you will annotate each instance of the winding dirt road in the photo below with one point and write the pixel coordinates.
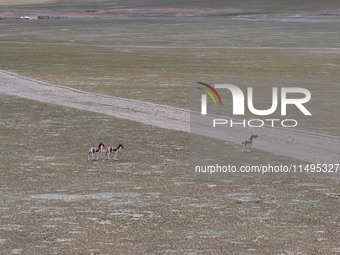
(306, 146)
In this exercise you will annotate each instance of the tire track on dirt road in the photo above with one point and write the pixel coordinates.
(301, 145)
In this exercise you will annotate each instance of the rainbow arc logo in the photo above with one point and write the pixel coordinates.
(211, 91)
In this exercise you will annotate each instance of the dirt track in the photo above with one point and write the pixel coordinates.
(147, 113)
(306, 146)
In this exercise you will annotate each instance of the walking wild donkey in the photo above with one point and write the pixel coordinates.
(248, 144)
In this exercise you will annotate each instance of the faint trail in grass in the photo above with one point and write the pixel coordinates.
(302, 145)
(319, 50)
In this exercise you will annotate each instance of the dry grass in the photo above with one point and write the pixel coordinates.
(122, 58)
(54, 201)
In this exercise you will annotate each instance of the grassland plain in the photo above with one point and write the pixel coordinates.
(54, 201)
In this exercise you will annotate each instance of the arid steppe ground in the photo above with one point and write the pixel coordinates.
(55, 201)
